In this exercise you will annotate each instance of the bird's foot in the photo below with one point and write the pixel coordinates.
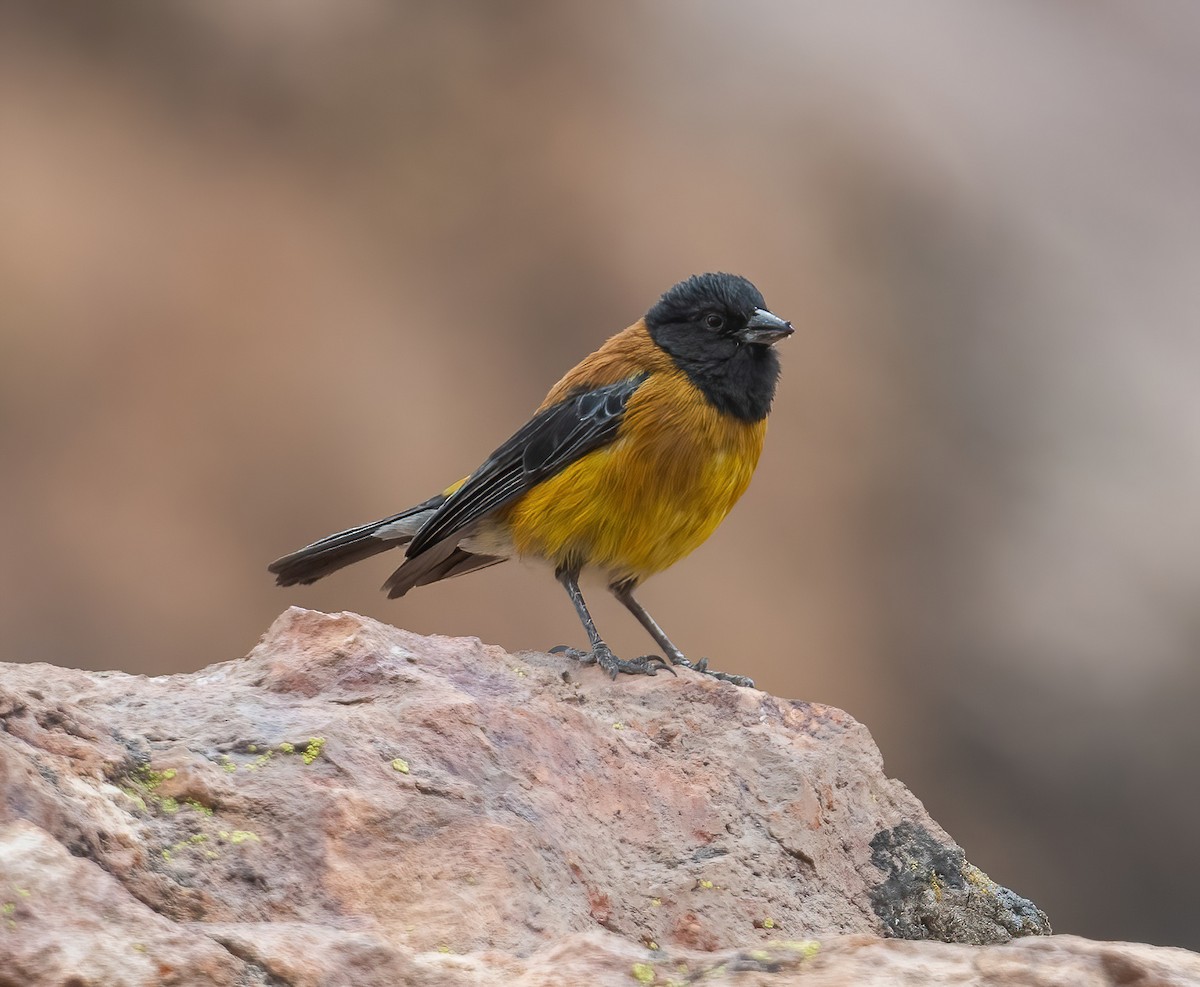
(702, 666)
(602, 656)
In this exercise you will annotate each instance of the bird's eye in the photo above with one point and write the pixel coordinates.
(714, 321)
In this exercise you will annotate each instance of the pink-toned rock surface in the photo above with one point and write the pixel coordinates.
(354, 804)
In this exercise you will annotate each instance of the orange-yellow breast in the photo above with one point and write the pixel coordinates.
(644, 501)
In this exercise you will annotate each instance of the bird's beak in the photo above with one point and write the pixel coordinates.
(765, 328)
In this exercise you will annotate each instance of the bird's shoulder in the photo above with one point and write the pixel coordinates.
(629, 353)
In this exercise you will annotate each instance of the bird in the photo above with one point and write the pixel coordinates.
(632, 460)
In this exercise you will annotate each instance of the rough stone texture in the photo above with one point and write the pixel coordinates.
(354, 804)
(65, 916)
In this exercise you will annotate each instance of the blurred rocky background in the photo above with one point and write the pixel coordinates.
(271, 269)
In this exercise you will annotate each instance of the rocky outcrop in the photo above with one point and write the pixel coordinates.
(354, 804)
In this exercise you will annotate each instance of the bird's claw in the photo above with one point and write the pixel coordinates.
(602, 656)
(645, 665)
(702, 666)
(741, 680)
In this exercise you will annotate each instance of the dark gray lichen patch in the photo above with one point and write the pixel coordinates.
(931, 892)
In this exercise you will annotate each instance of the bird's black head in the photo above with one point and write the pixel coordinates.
(717, 329)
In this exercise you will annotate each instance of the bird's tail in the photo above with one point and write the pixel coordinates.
(352, 545)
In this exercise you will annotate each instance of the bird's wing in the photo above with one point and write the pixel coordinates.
(550, 441)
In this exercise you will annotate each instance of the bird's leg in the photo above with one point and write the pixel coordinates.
(624, 593)
(600, 653)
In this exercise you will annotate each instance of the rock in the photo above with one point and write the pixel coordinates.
(355, 804)
(65, 917)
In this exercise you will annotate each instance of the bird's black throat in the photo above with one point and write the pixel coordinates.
(739, 382)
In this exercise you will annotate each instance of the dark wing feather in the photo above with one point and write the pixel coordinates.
(549, 442)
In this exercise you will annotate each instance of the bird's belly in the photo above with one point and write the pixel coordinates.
(632, 509)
